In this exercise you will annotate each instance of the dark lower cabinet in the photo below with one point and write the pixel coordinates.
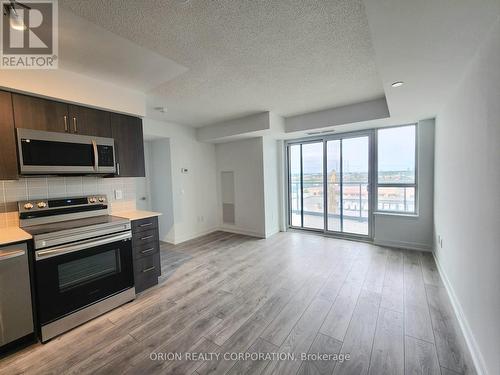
(129, 145)
(8, 155)
(146, 249)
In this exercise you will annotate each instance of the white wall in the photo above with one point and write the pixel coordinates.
(242, 125)
(143, 185)
(414, 232)
(160, 165)
(467, 202)
(76, 88)
(245, 159)
(194, 194)
(365, 111)
(271, 185)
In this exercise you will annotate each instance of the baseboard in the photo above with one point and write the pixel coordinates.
(477, 357)
(403, 245)
(241, 231)
(178, 240)
(272, 232)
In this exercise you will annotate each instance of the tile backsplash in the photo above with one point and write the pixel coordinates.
(12, 191)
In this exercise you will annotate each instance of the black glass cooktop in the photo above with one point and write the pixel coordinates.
(73, 224)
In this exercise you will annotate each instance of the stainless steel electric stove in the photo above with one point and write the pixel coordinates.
(82, 260)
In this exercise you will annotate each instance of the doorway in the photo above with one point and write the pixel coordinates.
(329, 184)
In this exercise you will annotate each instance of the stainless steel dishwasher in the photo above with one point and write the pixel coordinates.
(16, 315)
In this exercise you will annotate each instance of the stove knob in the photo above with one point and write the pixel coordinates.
(28, 206)
(41, 204)
(101, 199)
(92, 200)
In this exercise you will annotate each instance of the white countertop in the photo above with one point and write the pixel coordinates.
(10, 235)
(13, 234)
(137, 214)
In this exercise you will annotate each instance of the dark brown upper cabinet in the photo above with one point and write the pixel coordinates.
(49, 115)
(40, 114)
(8, 155)
(24, 111)
(89, 121)
(129, 145)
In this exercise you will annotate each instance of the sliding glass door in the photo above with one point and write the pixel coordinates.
(306, 185)
(329, 184)
(348, 185)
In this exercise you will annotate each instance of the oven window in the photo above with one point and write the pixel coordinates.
(82, 271)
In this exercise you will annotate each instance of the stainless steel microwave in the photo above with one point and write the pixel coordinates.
(42, 152)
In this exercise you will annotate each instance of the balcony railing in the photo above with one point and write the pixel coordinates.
(355, 200)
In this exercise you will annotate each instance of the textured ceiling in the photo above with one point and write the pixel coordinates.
(245, 56)
(91, 50)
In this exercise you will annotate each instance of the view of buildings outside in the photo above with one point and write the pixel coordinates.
(396, 165)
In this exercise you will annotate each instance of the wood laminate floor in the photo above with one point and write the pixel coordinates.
(274, 301)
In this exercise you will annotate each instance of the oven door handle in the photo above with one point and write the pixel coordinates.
(66, 249)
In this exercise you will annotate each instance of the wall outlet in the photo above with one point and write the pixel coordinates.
(118, 194)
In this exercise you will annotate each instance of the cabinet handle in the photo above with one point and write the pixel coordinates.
(148, 269)
(145, 225)
(146, 238)
(66, 129)
(147, 250)
(75, 129)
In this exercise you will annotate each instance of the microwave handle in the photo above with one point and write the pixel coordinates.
(96, 155)
(118, 168)
(66, 249)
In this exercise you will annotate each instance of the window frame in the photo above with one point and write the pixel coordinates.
(377, 210)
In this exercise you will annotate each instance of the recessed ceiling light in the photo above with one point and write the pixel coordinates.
(398, 84)
(16, 21)
(15, 11)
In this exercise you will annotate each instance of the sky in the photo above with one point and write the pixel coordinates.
(395, 152)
